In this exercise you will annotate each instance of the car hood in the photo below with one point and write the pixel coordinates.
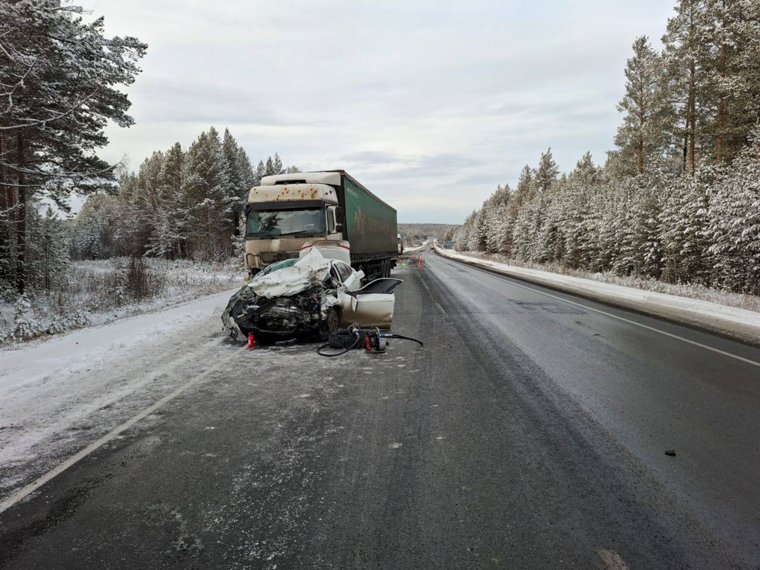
(312, 269)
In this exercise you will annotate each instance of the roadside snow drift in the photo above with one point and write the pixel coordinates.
(729, 321)
(57, 393)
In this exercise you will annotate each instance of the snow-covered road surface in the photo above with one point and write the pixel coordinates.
(529, 432)
(733, 322)
(58, 393)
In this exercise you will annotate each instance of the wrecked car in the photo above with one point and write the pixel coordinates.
(307, 298)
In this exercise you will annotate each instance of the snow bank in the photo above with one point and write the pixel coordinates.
(79, 349)
(729, 321)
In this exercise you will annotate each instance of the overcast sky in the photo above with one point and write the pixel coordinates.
(430, 104)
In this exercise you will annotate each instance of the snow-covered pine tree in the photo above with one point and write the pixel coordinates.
(246, 171)
(236, 188)
(206, 200)
(48, 251)
(733, 227)
(94, 230)
(645, 110)
(269, 167)
(168, 219)
(688, 50)
(547, 172)
(586, 172)
(610, 209)
(277, 164)
(684, 230)
(261, 171)
(734, 67)
(241, 179)
(464, 233)
(131, 237)
(59, 81)
(647, 240)
(551, 237)
(626, 261)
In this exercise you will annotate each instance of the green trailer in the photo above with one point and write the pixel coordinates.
(369, 224)
(286, 212)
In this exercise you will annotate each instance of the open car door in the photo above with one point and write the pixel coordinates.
(370, 306)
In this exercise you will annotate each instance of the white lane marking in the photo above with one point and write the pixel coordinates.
(629, 321)
(437, 304)
(612, 560)
(26, 491)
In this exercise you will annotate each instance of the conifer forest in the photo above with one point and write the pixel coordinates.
(678, 199)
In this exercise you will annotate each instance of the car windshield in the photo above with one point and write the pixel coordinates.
(295, 223)
(279, 265)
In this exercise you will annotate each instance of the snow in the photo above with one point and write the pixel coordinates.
(96, 294)
(414, 249)
(51, 391)
(730, 321)
(65, 354)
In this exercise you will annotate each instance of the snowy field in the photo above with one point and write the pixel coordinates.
(102, 291)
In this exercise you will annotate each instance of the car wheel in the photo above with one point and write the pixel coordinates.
(332, 320)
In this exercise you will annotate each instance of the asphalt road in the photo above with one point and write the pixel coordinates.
(530, 432)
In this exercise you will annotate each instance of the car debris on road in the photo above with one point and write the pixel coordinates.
(306, 298)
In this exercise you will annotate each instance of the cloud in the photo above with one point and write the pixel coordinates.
(430, 104)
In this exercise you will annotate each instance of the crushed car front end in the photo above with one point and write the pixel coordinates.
(298, 315)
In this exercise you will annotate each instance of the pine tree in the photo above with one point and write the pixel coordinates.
(644, 109)
(168, 219)
(547, 172)
(734, 65)
(733, 227)
(235, 189)
(59, 79)
(261, 171)
(270, 169)
(524, 186)
(586, 172)
(93, 234)
(687, 53)
(277, 164)
(49, 247)
(684, 232)
(208, 204)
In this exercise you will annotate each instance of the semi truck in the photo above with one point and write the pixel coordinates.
(329, 209)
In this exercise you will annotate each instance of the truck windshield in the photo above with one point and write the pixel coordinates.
(293, 223)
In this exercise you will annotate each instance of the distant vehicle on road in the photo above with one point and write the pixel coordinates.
(287, 212)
